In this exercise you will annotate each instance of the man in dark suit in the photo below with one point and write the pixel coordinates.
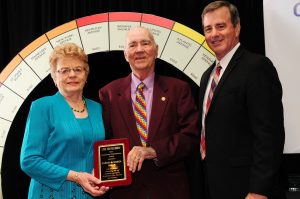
(156, 159)
(242, 134)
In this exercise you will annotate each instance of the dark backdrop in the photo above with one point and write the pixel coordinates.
(21, 22)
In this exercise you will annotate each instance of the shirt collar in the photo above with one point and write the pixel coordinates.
(226, 59)
(149, 82)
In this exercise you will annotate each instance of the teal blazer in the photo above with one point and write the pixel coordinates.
(53, 144)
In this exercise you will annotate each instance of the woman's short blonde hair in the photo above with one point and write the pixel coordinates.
(66, 50)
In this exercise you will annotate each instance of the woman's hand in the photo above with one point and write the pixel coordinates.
(88, 182)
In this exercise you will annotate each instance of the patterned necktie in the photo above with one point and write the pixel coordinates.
(213, 86)
(140, 114)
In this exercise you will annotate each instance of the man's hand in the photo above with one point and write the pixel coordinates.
(255, 196)
(137, 155)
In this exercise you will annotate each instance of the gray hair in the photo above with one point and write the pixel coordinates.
(234, 13)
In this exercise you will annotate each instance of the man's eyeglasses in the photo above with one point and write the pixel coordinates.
(67, 71)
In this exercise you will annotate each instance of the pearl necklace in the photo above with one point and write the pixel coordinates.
(79, 111)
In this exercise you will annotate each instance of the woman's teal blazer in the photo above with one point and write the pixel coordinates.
(53, 144)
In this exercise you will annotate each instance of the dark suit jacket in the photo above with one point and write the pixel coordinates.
(172, 133)
(244, 128)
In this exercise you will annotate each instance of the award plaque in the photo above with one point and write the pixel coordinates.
(110, 158)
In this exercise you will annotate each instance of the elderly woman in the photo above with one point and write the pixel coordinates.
(57, 149)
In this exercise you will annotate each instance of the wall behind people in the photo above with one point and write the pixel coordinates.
(23, 21)
(282, 21)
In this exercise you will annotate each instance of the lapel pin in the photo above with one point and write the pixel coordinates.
(163, 99)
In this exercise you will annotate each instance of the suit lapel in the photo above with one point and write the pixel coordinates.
(232, 64)
(203, 84)
(159, 103)
(126, 110)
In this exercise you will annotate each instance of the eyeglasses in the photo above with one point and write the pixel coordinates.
(67, 71)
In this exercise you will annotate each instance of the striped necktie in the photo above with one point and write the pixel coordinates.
(140, 114)
(213, 86)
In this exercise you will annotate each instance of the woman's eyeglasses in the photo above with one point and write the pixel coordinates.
(67, 71)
